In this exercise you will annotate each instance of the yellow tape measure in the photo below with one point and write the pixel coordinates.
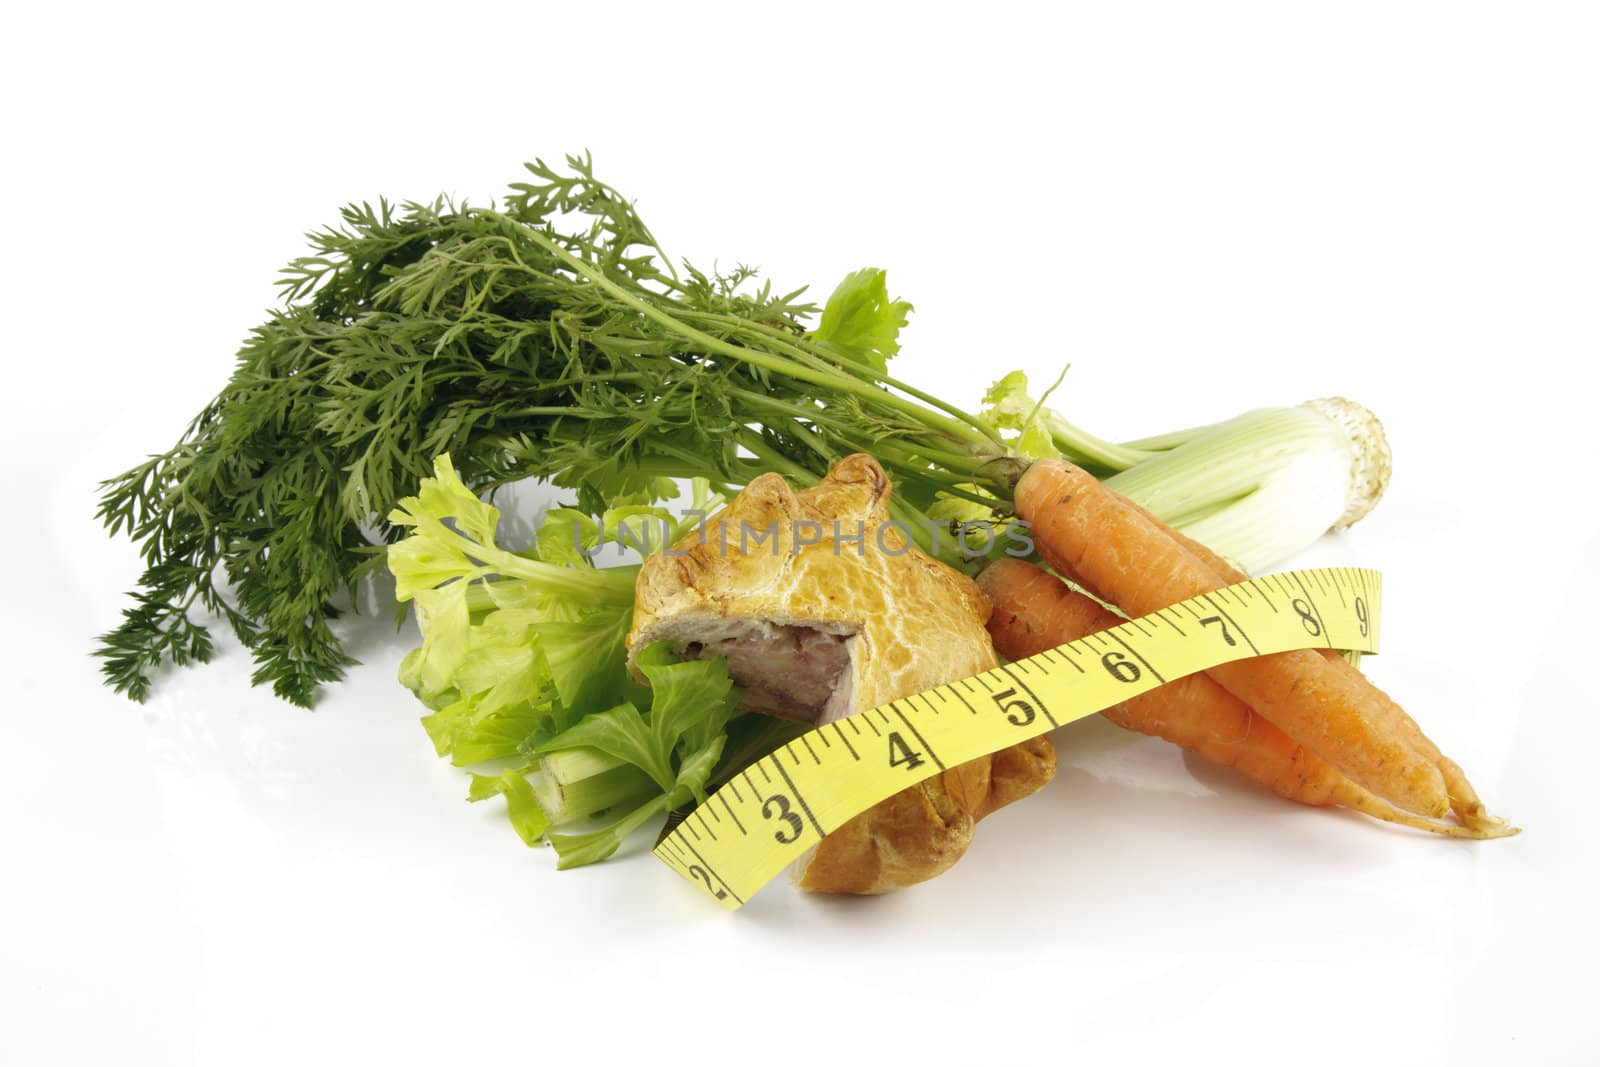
(771, 813)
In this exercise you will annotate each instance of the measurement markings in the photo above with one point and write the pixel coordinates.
(1167, 618)
(731, 814)
(733, 785)
(1315, 610)
(755, 794)
(1136, 655)
(1239, 629)
(814, 758)
(712, 871)
(1060, 652)
(918, 735)
(703, 824)
(799, 797)
(1266, 598)
(839, 729)
(674, 820)
(1043, 710)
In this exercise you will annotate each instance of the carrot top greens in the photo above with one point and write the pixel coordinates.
(547, 336)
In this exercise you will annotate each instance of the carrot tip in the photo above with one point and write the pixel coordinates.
(1486, 826)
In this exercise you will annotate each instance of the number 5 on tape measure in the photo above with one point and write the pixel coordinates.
(768, 815)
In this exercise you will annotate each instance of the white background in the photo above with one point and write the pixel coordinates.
(1204, 208)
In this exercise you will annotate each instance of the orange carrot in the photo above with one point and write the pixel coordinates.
(1092, 535)
(1463, 798)
(1034, 611)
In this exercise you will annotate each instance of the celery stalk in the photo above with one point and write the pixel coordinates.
(574, 765)
(1263, 486)
(579, 798)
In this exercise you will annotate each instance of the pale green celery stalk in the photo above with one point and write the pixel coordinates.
(1165, 442)
(1261, 487)
(574, 784)
(575, 764)
(579, 798)
(1086, 449)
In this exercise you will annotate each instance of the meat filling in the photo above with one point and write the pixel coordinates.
(796, 672)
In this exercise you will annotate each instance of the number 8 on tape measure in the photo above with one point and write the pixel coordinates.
(769, 814)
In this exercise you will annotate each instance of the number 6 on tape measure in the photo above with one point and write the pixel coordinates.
(782, 805)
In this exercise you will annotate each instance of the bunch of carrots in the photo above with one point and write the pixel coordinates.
(1306, 724)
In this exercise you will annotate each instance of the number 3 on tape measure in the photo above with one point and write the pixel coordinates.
(770, 826)
(777, 807)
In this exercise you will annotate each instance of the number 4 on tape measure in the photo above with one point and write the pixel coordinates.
(782, 805)
(902, 754)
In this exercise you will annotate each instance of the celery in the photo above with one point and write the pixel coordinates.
(1263, 486)
(594, 794)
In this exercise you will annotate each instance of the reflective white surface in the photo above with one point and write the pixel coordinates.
(1203, 213)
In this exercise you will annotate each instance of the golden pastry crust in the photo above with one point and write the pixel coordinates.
(837, 564)
(922, 830)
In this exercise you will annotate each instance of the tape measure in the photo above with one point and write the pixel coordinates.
(768, 815)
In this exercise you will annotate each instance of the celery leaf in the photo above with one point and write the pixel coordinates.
(861, 322)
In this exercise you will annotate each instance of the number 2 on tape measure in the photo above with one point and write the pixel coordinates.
(782, 805)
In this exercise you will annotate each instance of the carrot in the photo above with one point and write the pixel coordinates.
(1090, 534)
(1464, 799)
(1034, 611)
